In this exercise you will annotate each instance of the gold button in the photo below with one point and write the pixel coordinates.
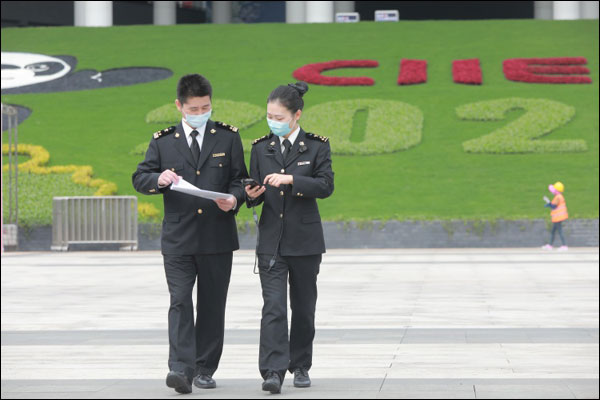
(172, 169)
(281, 193)
(280, 215)
(199, 211)
(152, 190)
(220, 165)
(299, 194)
(197, 172)
(282, 170)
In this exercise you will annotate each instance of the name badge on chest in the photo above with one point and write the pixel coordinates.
(303, 163)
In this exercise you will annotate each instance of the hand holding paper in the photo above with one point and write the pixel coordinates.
(166, 178)
(226, 204)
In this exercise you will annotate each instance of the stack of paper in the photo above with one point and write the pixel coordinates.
(184, 186)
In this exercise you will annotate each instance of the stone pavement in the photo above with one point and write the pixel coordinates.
(426, 323)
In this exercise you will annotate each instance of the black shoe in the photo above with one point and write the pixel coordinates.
(179, 381)
(301, 378)
(204, 382)
(272, 383)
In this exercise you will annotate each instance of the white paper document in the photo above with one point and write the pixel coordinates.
(184, 186)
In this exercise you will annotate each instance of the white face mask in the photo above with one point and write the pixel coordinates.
(197, 121)
(279, 128)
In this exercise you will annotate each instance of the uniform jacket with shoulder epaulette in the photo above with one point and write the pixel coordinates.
(292, 208)
(193, 225)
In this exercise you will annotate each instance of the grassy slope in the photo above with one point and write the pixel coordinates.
(244, 62)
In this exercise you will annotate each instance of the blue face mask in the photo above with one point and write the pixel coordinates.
(196, 121)
(279, 128)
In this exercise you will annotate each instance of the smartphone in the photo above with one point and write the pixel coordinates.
(249, 181)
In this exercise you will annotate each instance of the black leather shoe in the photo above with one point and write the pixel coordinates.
(204, 382)
(179, 381)
(301, 378)
(272, 383)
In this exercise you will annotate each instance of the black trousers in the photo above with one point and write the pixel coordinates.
(197, 349)
(277, 353)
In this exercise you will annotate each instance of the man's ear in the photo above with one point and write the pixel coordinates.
(178, 104)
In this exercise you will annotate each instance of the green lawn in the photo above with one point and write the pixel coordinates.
(434, 180)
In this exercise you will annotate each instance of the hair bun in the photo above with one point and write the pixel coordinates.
(301, 87)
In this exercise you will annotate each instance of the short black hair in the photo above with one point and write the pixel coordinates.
(290, 96)
(193, 85)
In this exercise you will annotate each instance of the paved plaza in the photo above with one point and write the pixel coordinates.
(422, 323)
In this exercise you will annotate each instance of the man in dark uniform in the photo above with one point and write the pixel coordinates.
(198, 235)
(296, 170)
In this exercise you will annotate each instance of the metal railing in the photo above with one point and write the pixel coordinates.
(94, 219)
(10, 183)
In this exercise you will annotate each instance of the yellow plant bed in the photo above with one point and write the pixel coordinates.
(148, 210)
(82, 174)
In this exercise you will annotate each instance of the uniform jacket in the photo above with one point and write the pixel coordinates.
(290, 215)
(193, 225)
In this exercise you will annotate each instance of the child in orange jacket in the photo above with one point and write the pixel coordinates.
(558, 213)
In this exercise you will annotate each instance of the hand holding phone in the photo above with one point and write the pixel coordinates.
(252, 182)
(253, 188)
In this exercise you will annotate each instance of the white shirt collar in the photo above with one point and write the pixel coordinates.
(188, 132)
(292, 137)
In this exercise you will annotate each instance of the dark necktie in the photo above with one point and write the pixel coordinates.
(288, 145)
(195, 147)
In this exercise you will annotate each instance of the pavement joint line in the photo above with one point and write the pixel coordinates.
(333, 252)
(324, 264)
(383, 381)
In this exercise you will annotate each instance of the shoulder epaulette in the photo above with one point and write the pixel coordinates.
(227, 126)
(260, 139)
(164, 132)
(317, 137)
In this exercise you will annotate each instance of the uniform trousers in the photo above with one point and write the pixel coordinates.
(277, 352)
(197, 349)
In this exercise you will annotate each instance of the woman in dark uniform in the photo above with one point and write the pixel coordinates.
(293, 169)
